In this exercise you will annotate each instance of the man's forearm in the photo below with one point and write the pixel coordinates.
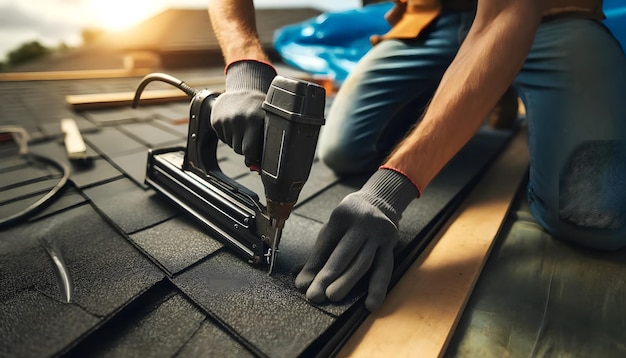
(486, 64)
(234, 25)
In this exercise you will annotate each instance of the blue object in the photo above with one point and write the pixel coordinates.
(331, 44)
(615, 11)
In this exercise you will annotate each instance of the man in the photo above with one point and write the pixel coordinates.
(455, 59)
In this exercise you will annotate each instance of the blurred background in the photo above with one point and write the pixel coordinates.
(65, 35)
(57, 25)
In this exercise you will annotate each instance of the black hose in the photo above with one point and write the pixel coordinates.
(45, 200)
(190, 91)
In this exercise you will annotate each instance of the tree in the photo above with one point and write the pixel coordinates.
(90, 34)
(62, 47)
(26, 52)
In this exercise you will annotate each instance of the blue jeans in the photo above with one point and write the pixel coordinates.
(573, 85)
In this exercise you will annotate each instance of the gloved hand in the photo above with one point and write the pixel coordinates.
(360, 235)
(237, 116)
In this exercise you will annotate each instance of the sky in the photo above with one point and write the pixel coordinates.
(54, 21)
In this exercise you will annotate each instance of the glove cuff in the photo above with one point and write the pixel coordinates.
(249, 75)
(392, 192)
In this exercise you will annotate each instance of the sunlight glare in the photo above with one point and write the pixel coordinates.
(116, 15)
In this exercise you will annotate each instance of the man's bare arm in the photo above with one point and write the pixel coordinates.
(487, 62)
(235, 27)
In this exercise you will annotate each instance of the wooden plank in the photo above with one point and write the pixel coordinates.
(423, 309)
(74, 75)
(74, 144)
(123, 99)
(83, 102)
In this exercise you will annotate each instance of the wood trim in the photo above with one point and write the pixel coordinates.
(73, 75)
(423, 309)
(84, 102)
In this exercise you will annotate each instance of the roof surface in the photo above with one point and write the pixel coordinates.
(113, 267)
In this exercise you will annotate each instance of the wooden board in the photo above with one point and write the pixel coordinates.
(74, 74)
(423, 309)
(124, 99)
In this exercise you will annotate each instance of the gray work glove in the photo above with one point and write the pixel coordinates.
(359, 238)
(237, 116)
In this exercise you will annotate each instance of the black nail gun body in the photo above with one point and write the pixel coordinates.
(192, 179)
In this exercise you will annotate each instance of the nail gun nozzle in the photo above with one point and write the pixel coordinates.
(274, 249)
(277, 224)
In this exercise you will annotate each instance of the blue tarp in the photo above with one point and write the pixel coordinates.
(331, 44)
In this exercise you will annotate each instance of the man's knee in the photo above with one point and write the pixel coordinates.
(593, 186)
(591, 199)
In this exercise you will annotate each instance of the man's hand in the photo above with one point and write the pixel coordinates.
(359, 238)
(237, 116)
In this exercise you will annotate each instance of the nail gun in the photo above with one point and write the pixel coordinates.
(192, 179)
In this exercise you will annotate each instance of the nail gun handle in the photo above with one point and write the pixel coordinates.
(202, 144)
(201, 138)
(294, 116)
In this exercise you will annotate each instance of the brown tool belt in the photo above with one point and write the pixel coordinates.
(421, 13)
(581, 8)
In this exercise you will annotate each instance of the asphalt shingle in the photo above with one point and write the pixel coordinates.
(150, 135)
(129, 206)
(176, 244)
(64, 274)
(160, 328)
(111, 141)
(82, 174)
(254, 305)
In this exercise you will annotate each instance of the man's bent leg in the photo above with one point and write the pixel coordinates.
(574, 86)
(385, 95)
